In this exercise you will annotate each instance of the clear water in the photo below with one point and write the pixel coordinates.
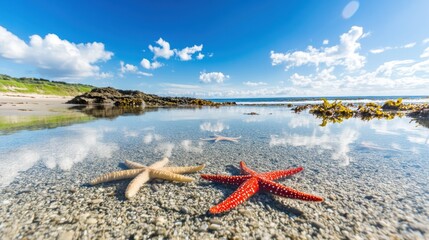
(355, 158)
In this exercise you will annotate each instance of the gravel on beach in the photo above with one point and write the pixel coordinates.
(375, 197)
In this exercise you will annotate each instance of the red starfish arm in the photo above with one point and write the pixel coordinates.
(244, 192)
(283, 191)
(234, 180)
(246, 170)
(281, 174)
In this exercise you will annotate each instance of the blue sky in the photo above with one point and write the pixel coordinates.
(222, 48)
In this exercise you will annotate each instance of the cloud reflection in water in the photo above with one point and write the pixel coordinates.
(62, 152)
(338, 143)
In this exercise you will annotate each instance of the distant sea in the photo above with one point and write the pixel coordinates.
(316, 100)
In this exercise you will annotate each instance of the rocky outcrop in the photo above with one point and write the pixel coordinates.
(111, 96)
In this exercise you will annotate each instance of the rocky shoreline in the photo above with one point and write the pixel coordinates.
(112, 96)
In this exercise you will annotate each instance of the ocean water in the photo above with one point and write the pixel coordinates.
(317, 100)
(374, 175)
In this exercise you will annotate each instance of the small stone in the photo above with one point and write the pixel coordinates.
(317, 224)
(214, 227)
(97, 201)
(203, 227)
(66, 235)
(91, 221)
(160, 221)
(215, 221)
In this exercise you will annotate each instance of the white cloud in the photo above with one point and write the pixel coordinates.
(127, 67)
(350, 9)
(425, 53)
(380, 50)
(186, 53)
(325, 42)
(388, 68)
(200, 56)
(409, 45)
(425, 41)
(213, 127)
(164, 51)
(210, 77)
(254, 84)
(344, 54)
(55, 57)
(150, 65)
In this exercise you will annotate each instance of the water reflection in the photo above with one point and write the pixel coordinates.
(213, 127)
(338, 143)
(63, 152)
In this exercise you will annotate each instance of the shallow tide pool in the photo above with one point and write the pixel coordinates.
(373, 176)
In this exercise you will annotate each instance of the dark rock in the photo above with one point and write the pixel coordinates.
(111, 96)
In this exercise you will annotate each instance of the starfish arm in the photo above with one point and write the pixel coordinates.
(207, 139)
(244, 192)
(283, 191)
(246, 170)
(134, 165)
(281, 174)
(137, 183)
(118, 175)
(169, 176)
(234, 180)
(181, 170)
(160, 164)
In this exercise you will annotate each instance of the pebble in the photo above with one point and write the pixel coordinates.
(91, 221)
(66, 235)
(214, 227)
(97, 201)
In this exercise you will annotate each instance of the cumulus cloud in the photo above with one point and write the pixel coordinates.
(425, 41)
(186, 53)
(425, 53)
(210, 77)
(150, 65)
(254, 84)
(187, 146)
(325, 42)
(129, 68)
(163, 51)
(55, 57)
(200, 56)
(345, 54)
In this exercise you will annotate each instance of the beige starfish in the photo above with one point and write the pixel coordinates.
(143, 174)
(218, 138)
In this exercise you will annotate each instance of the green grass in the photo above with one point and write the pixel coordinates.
(41, 86)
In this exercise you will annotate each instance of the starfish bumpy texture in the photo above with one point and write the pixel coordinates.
(252, 182)
(143, 174)
(218, 138)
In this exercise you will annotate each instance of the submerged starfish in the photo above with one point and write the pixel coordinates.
(143, 174)
(218, 138)
(252, 182)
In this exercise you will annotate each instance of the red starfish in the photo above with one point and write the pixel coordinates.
(252, 182)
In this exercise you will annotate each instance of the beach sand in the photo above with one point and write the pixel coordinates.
(30, 104)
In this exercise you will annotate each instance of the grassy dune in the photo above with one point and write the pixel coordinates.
(41, 86)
